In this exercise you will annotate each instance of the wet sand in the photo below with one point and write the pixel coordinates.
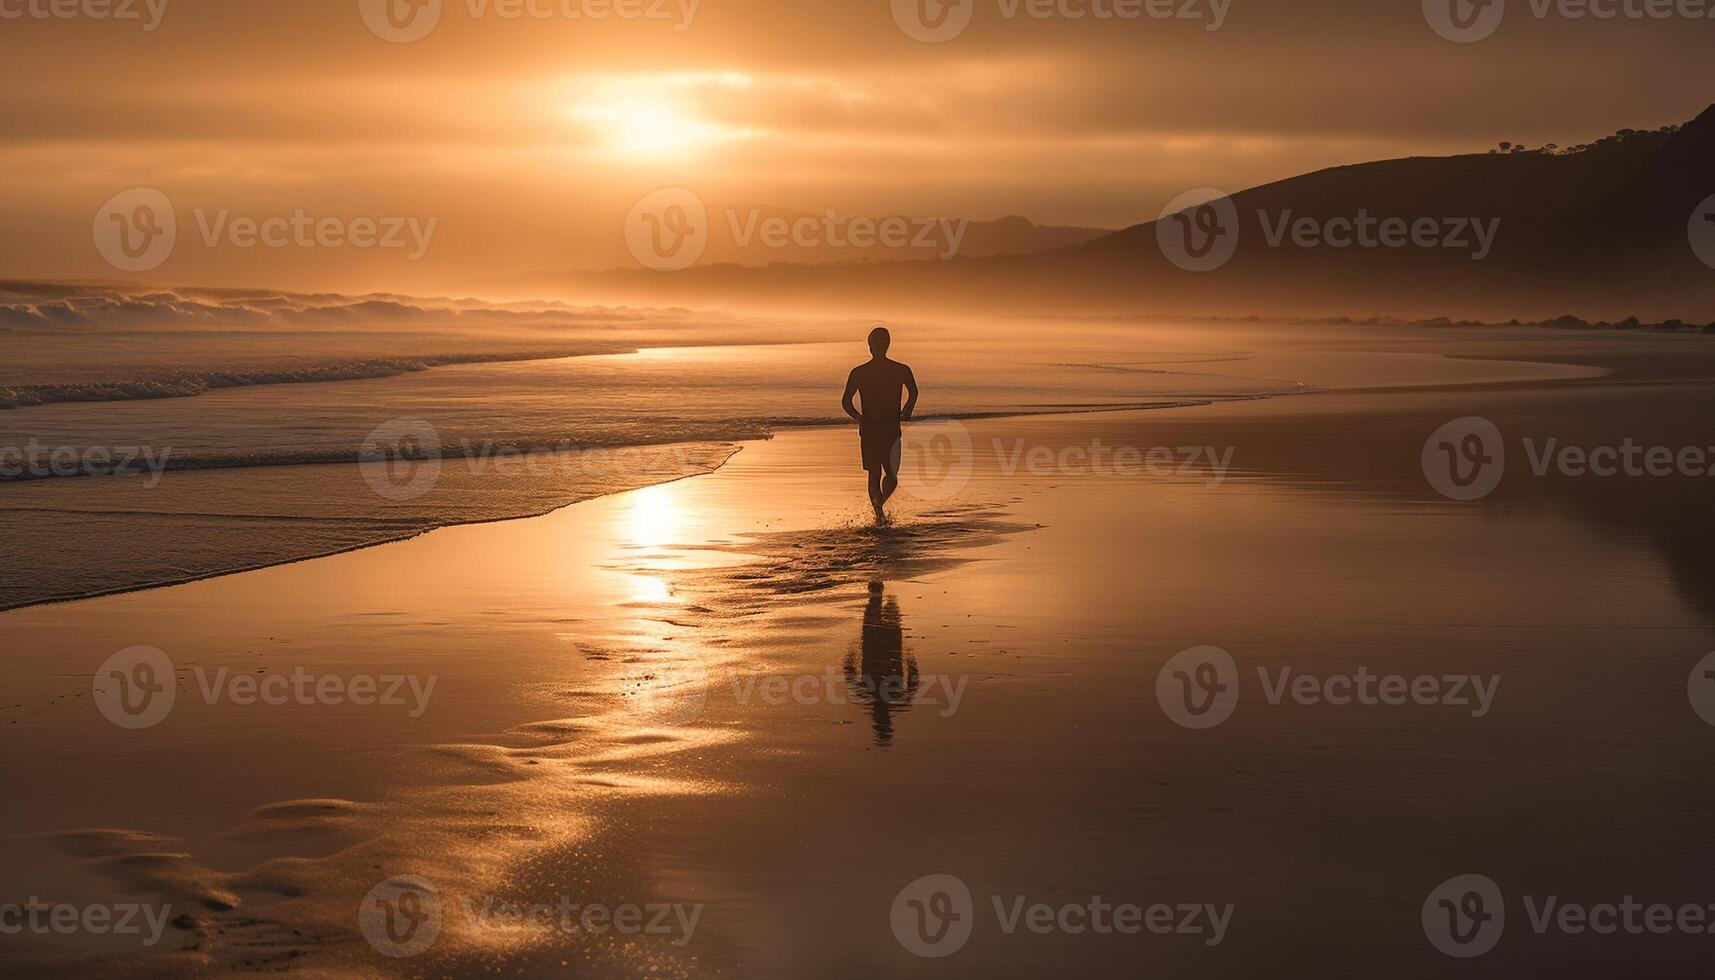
(971, 691)
(224, 482)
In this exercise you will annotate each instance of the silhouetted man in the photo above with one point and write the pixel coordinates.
(880, 382)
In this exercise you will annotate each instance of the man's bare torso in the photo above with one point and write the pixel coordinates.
(881, 390)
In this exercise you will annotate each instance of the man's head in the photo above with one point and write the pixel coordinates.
(879, 338)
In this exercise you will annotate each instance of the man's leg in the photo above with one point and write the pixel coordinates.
(875, 495)
(890, 476)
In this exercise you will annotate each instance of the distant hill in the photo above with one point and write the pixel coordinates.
(737, 237)
(1598, 230)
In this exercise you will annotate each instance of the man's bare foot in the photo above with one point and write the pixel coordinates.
(880, 515)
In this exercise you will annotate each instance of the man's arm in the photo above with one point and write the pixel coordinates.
(911, 395)
(851, 390)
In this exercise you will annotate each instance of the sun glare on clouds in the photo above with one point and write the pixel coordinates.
(656, 118)
(647, 129)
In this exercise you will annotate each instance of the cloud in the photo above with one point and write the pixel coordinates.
(514, 132)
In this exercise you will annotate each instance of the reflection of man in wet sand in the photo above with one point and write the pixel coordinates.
(885, 678)
(880, 382)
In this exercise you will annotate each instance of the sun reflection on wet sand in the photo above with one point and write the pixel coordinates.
(654, 517)
(669, 593)
(649, 589)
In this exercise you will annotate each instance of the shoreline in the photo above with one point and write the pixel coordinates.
(436, 522)
(477, 451)
(415, 533)
(205, 381)
(23, 396)
(404, 536)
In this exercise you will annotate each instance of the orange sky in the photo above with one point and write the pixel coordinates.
(526, 139)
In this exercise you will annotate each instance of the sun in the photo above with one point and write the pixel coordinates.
(646, 129)
(654, 118)
(650, 130)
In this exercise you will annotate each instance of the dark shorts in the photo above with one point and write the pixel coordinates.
(880, 446)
